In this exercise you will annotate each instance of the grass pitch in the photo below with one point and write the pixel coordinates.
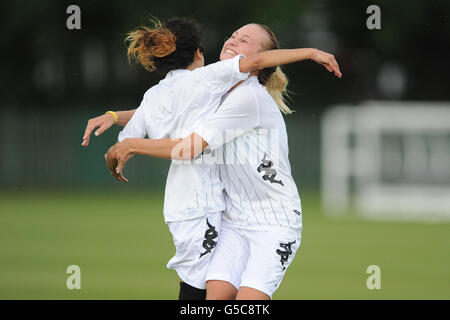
(122, 246)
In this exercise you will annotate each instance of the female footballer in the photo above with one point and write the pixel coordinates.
(187, 222)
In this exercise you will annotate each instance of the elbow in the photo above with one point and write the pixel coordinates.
(252, 63)
(189, 148)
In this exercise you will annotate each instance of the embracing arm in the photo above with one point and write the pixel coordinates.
(236, 115)
(180, 149)
(104, 122)
(272, 58)
(124, 116)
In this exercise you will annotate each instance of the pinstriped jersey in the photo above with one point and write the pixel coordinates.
(249, 133)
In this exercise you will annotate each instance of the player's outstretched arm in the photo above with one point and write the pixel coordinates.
(278, 57)
(104, 122)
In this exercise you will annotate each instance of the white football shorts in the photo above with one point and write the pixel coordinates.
(253, 258)
(194, 242)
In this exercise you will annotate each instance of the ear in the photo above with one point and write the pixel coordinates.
(198, 54)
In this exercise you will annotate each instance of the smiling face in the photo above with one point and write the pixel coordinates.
(247, 40)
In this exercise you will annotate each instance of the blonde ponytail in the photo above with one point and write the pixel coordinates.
(273, 78)
(276, 85)
(146, 43)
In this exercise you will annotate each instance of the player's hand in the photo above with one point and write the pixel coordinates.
(328, 61)
(120, 152)
(104, 121)
(111, 162)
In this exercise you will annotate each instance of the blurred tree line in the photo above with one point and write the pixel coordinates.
(45, 65)
(52, 79)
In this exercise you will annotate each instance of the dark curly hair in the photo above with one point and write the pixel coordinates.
(166, 46)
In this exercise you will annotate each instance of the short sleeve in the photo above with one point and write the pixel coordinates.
(238, 114)
(221, 76)
(135, 128)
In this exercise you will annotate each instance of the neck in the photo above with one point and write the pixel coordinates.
(237, 84)
(193, 65)
(254, 73)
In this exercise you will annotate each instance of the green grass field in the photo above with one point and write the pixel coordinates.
(122, 246)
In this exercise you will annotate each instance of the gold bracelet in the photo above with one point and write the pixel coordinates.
(113, 114)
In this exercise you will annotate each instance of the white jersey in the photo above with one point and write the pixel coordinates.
(256, 173)
(170, 110)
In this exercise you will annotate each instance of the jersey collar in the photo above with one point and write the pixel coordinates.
(176, 73)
